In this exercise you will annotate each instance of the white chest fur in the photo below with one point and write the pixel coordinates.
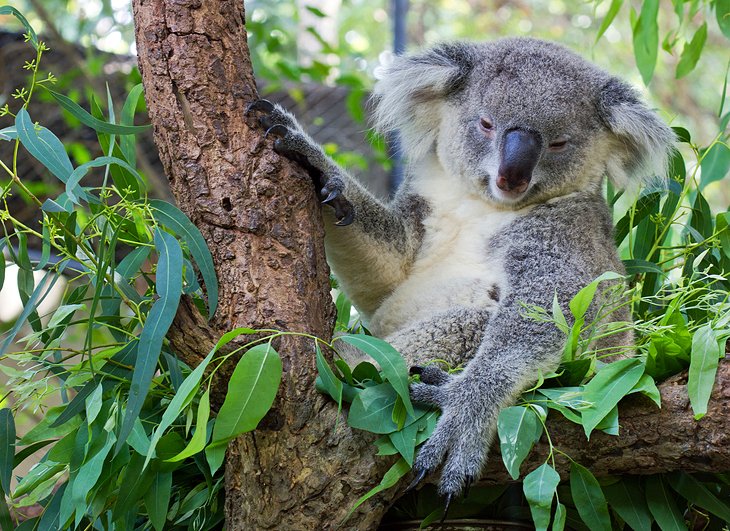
(456, 267)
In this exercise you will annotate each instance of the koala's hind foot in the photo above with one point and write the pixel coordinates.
(461, 438)
(296, 145)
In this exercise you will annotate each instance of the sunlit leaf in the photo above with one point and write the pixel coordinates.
(539, 487)
(705, 357)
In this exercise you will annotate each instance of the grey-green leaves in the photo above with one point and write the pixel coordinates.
(539, 487)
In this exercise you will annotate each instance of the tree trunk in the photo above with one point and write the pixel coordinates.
(262, 224)
(301, 469)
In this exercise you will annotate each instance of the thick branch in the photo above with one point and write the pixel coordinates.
(650, 440)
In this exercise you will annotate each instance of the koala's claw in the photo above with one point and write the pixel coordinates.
(447, 502)
(331, 197)
(259, 105)
(277, 130)
(422, 473)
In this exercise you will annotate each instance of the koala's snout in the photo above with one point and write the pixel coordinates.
(520, 153)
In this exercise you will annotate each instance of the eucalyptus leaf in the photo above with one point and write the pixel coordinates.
(97, 125)
(518, 431)
(607, 388)
(628, 500)
(539, 487)
(159, 319)
(589, 499)
(662, 505)
(704, 359)
(251, 392)
(392, 364)
(7, 448)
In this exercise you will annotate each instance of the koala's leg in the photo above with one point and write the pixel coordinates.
(452, 337)
(369, 245)
(506, 363)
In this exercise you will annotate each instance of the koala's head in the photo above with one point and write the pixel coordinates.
(521, 120)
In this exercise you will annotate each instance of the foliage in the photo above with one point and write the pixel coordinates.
(133, 442)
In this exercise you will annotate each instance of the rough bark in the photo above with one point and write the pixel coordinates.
(261, 221)
(263, 227)
(650, 440)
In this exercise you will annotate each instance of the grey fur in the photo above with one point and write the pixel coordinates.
(443, 271)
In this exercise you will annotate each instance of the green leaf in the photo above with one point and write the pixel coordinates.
(646, 39)
(75, 193)
(723, 231)
(172, 218)
(157, 499)
(97, 125)
(9, 133)
(607, 388)
(628, 500)
(694, 491)
(251, 392)
(390, 478)
(635, 267)
(560, 516)
(50, 519)
(702, 368)
(372, 409)
(715, 164)
(539, 487)
(330, 383)
(89, 472)
(392, 364)
(662, 505)
(9, 10)
(200, 437)
(344, 307)
(647, 387)
(405, 442)
(581, 302)
(7, 447)
(126, 142)
(722, 13)
(610, 15)
(44, 146)
(588, 498)
(159, 319)
(691, 52)
(215, 455)
(2, 262)
(519, 429)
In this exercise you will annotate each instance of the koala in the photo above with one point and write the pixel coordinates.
(508, 143)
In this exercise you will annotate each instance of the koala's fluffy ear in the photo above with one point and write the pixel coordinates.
(409, 94)
(643, 142)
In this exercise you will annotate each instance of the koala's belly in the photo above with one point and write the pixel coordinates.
(452, 271)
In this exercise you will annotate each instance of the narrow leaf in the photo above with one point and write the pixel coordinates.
(691, 52)
(159, 319)
(7, 447)
(44, 146)
(694, 491)
(390, 478)
(589, 499)
(646, 39)
(607, 388)
(610, 15)
(172, 218)
(662, 505)
(73, 190)
(98, 125)
(251, 392)
(628, 500)
(705, 357)
(157, 499)
(200, 437)
(126, 142)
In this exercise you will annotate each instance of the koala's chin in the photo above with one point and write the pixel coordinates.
(512, 199)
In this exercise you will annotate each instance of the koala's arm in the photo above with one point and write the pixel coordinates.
(370, 245)
(513, 349)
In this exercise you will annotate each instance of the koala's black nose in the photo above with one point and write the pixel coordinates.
(520, 153)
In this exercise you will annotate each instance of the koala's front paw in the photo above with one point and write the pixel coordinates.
(293, 143)
(460, 440)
